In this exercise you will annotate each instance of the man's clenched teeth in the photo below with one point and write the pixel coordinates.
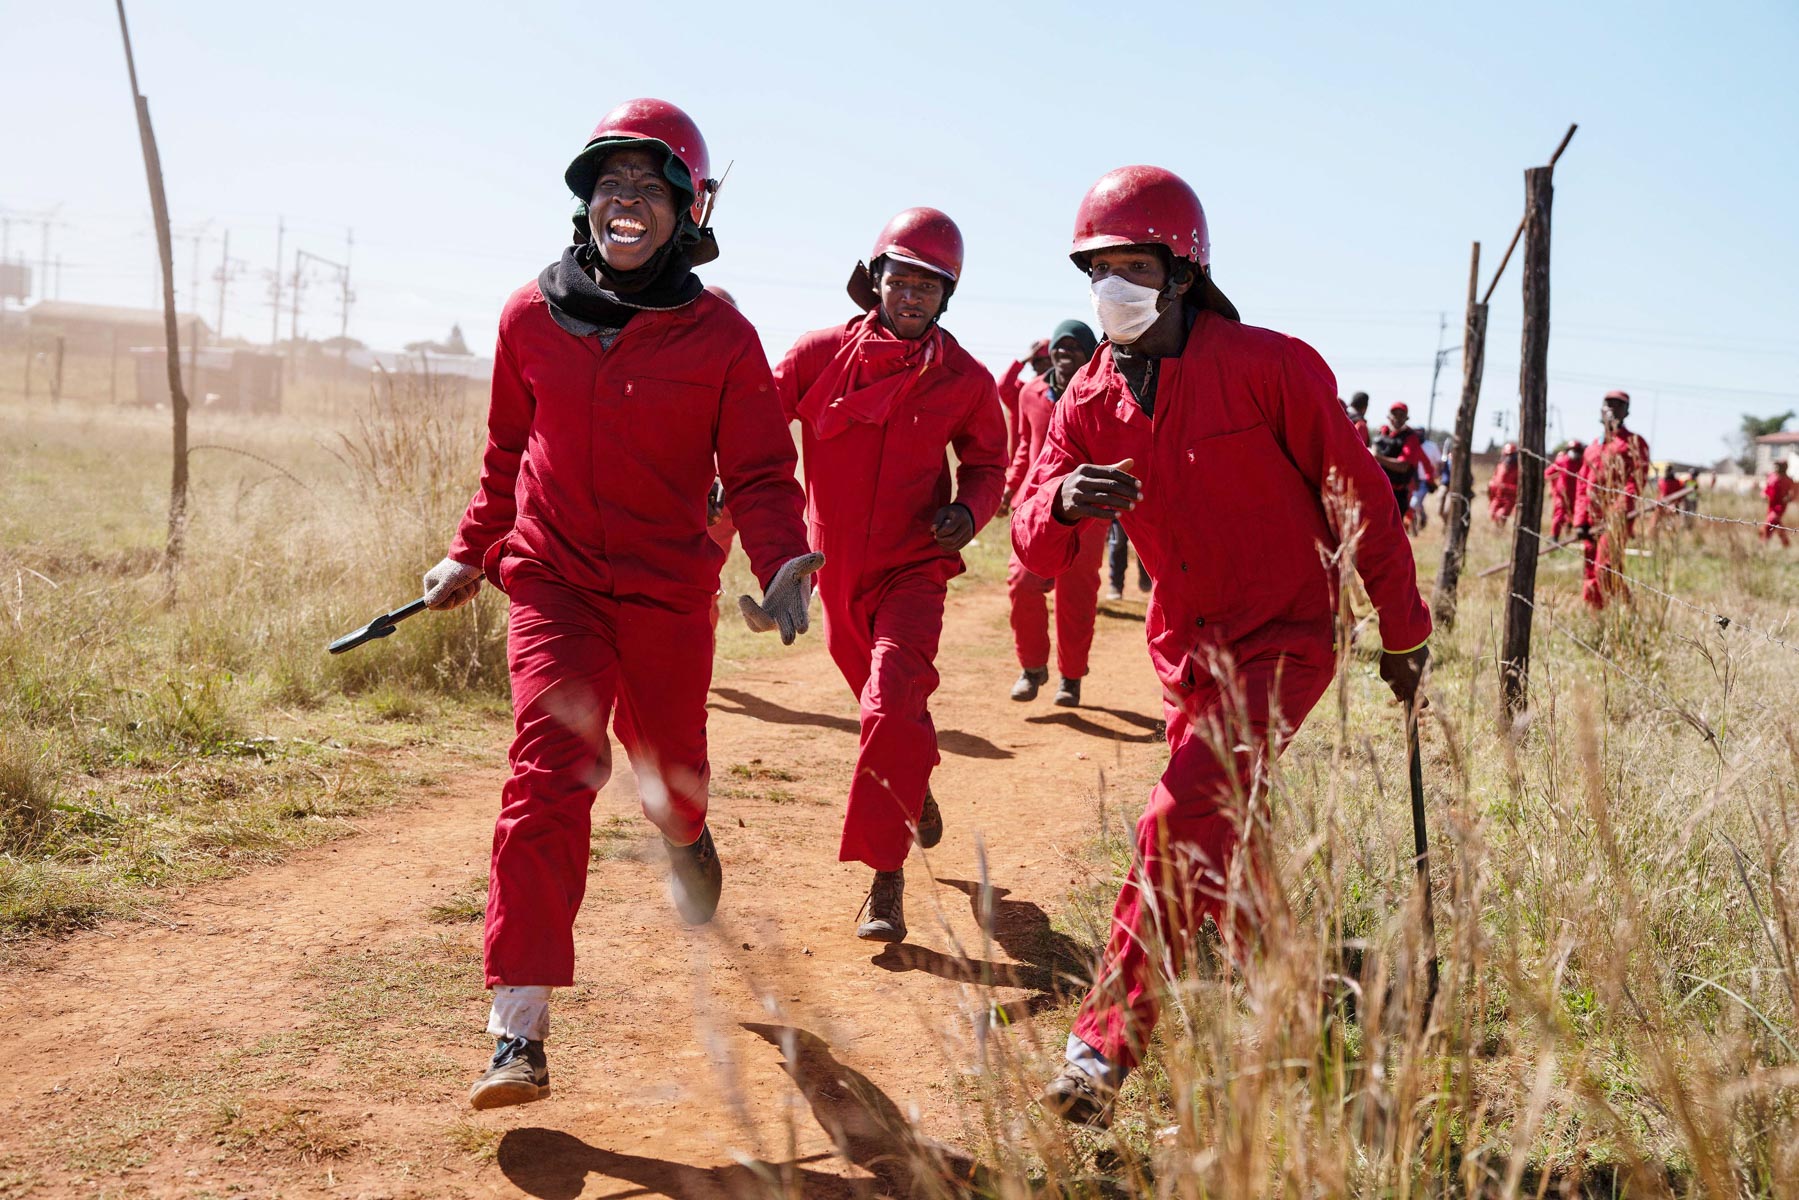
(626, 231)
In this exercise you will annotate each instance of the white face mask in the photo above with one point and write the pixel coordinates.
(1125, 309)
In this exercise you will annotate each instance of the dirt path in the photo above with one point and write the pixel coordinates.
(310, 1029)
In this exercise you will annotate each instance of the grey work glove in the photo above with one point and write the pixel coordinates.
(786, 601)
(451, 584)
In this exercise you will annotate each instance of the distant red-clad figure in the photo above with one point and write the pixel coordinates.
(1564, 481)
(1667, 485)
(1613, 473)
(1358, 415)
(1012, 383)
(1400, 451)
(1780, 491)
(1502, 490)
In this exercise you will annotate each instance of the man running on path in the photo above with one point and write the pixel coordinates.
(881, 400)
(1224, 451)
(1077, 589)
(620, 391)
(1564, 481)
(1013, 382)
(1613, 471)
(1502, 489)
(1778, 491)
(1399, 449)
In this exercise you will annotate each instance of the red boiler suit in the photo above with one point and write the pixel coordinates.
(877, 415)
(1247, 441)
(1779, 492)
(1612, 474)
(1011, 384)
(1076, 589)
(1564, 480)
(591, 516)
(1502, 491)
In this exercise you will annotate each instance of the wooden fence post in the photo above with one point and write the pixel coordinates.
(1533, 406)
(1461, 466)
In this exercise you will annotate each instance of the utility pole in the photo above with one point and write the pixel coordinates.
(293, 327)
(1430, 412)
(58, 291)
(345, 296)
(159, 208)
(1533, 399)
(228, 270)
(275, 285)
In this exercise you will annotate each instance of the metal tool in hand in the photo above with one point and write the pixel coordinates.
(1421, 848)
(380, 627)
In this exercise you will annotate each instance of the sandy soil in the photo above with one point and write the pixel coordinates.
(310, 1029)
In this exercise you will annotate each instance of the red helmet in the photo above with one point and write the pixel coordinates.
(1148, 206)
(646, 120)
(1510, 448)
(1619, 394)
(924, 237)
(1399, 409)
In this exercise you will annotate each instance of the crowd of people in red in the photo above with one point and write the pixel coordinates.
(637, 430)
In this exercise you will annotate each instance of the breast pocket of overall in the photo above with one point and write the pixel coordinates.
(1254, 522)
(915, 460)
(662, 434)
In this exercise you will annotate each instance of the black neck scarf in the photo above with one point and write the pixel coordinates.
(665, 282)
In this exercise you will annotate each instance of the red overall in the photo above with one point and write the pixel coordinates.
(1563, 480)
(878, 414)
(1502, 491)
(1010, 385)
(1411, 453)
(591, 515)
(1612, 474)
(1779, 492)
(1076, 589)
(1250, 473)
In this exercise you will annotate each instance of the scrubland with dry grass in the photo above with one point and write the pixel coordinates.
(1615, 908)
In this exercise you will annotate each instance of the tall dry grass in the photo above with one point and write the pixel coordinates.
(146, 743)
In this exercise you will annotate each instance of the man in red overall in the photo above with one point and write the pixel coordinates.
(1399, 449)
(1564, 480)
(1613, 471)
(1502, 489)
(620, 390)
(1779, 491)
(1225, 453)
(1077, 589)
(1358, 415)
(881, 400)
(1013, 382)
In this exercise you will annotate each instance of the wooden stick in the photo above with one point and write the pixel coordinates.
(1519, 232)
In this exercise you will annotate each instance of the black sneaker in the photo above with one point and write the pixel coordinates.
(695, 878)
(518, 1074)
(886, 908)
(1068, 693)
(1029, 682)
(930, 822)
(1074, 1096)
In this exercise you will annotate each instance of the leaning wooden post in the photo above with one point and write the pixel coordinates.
(1533, 407)
(159, 213)
(1461, 466)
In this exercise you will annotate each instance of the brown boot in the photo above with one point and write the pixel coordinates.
(886, 908)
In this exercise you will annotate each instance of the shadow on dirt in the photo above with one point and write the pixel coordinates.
(866, 1125)
(1150, 729)
(950, 741)
(553, 1165)
(1048, 963)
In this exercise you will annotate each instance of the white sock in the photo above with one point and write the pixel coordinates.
(1095, 1065)
(520, 1012)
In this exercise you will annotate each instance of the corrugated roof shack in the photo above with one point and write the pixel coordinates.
(232, 380)
(103, 327)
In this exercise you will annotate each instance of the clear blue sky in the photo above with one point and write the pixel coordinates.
(1347, 155)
